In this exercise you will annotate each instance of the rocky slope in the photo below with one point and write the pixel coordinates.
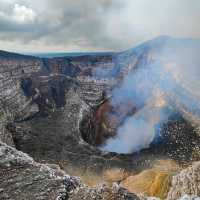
(22, 178)
(13, 102)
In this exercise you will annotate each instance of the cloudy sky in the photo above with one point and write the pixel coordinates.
(93, 25)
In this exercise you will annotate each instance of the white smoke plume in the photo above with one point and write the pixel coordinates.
(166, 83)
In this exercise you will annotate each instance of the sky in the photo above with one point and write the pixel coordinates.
(93, 25)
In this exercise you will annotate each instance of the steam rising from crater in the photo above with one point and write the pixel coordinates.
(166, 81)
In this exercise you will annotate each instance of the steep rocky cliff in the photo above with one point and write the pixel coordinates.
(13, 102)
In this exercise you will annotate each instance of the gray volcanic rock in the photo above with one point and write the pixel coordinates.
(178, 139)
(187, 197)
(85, 65)
(186, 183)
(102, 192)
(13, 102)
(22, 178)
(6, 136)
(12, 69)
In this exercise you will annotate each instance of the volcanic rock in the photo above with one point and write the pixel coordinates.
(187, 182)
(22, 178)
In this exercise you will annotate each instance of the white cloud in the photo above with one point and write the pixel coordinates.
(23, 14)
(95, 24)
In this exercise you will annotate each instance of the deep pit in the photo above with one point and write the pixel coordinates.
(97, 125)
(176, 137)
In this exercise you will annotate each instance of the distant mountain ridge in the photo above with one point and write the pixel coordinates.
(155, 42)
(70, 54)
(7, 54)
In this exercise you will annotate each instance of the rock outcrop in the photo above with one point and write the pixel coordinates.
(13, 102)
(186, 183)
(22, 178)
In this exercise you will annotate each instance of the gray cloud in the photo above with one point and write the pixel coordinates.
(93, 24)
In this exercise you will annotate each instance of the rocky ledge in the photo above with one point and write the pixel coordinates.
(22, 178)
(186, 183)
